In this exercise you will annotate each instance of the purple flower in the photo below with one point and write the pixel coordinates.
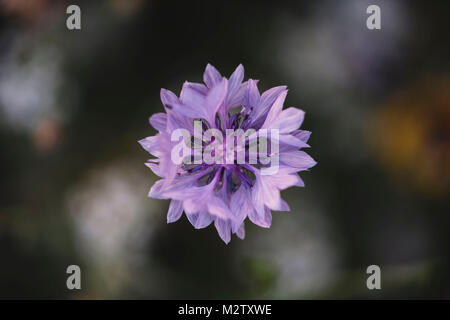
(226, 193)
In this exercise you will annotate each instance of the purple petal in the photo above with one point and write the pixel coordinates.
(199, 199)
(214, 99)
(156, 190)
(223, 228)
(284, 206)
(251, 96)
(177, 188)
(218, 208)
(269, 96)
(175, 211)
(302, 135)
(265, 221)
(234, 84)
(289, 120)
(283, 169)
(192, 103)
(275, 110)
(300, 182)
(168, 98)
(236, 79)
(151, 145)
(240, 206)
(173, 106)
(176, 120)
(267, 99)
(264, 192)
(198, 87)
(297, 159)
(159, 121)
(154, 167)
(241, 232)
(200, 220)
(190, 206)
(290, 140)
(211, 76)
(238, 98)
(284, 181)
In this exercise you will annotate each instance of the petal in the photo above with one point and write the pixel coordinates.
(269, 96)
(284, 206)
(168, 98)
(175, 211)
(223, 228)
(151, 145)
(191, 206)
(297, 159)
(291, 141)
(300, 182)
(267, 99)
(218, 208)
(177, 188)
(275, 110)
(156, 190)
(283, 169)
(289, 120)
(258, 201)
(176, 111)
(199, 199)
(154, 167)
(198, 87)
(284, 181)
(265, 221)
(192, 102)
(211, 76)
(240, 206)
(251, 96)
(200, 220)
(236, 79)
(302, 135)
(241, 232)
(177, 120)
(264, 192)
(168, 170)
(238, 98)
(189, 111)
(159, 121)
(214, 99)
(234, 84)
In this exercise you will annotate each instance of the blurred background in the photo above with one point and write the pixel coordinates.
(73, 185)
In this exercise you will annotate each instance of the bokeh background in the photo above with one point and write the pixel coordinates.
(73, 185)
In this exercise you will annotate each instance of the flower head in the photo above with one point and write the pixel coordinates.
(225, 180)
